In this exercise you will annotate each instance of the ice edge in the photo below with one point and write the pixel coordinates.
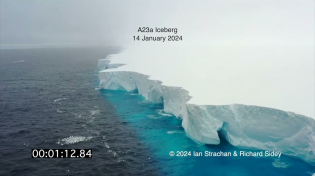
(243, 126)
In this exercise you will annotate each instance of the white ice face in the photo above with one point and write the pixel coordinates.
(218, 75)
(242, 125)
(104, 64)
(259, 54)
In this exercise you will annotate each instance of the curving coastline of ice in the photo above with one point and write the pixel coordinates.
(243, 126)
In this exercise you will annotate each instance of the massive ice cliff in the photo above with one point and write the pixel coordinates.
(243, 126)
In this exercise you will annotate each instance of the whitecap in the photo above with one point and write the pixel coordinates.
(73, 139)
(92, 115)
(106, 145)
(113, 152)
(120, 160)
(60, 111)
(59, 99)
(94, 112)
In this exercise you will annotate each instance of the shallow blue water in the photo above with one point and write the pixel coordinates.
(163, 133)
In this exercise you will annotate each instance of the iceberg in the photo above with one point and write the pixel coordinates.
(104, 64)
(243, 126)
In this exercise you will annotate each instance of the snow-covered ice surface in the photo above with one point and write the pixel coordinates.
(244, 126)
(279, 77)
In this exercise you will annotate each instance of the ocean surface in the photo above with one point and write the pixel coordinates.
(49, 98)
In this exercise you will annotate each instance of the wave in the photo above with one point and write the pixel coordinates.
(73, 140)
(59, 99)
(161, 112)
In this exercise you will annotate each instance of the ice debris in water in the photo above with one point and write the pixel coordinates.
(73, 140)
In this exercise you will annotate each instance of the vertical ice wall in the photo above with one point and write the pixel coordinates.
(243, 126)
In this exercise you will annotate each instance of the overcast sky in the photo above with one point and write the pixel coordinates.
(77, 21)
(58, 22)
(101, 21)
(233, 51)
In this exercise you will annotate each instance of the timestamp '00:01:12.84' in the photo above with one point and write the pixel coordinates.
(61, 153)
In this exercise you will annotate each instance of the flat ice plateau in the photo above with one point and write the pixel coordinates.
(244, 126)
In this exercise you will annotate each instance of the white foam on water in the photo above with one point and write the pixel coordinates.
(154, 117)
(73, 140)
(106, 145)
(172, 132)
(92, 115)
(161, 112)
(113, 152)
(120, 160)
(94, 112)
(59, 99)
(60, 111)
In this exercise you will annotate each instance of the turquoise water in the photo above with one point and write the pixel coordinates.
(163, 133)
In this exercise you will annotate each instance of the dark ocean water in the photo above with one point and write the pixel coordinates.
(49, 96)
(50, 100)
